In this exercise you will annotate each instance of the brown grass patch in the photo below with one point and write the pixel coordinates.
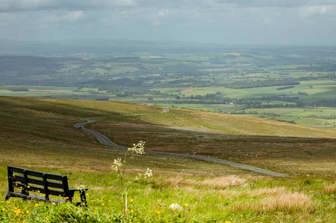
(268, 191)
(223, 182)
(287, 202)
(278, 199)
(330, 189)
(217, 182)
(191, 190)
(175, 181)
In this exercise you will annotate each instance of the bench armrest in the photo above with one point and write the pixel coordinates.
(82, 195)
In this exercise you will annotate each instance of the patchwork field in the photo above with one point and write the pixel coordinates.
(39, 134)
(254, 81)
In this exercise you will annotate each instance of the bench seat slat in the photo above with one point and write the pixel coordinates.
(34, 197)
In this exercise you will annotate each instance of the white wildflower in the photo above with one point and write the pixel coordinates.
(117, 164)
(138, 148)
(148, 173)
(175, 207)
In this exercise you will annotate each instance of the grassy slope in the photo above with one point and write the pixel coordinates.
(39, 134)
(317, 117)
(205, 121)
(199, 132)
(49, 123)
(44, 132)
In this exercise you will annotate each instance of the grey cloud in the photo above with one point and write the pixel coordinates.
(277, 3)
(38, 5)
(221, 21)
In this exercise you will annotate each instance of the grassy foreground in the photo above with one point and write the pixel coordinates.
(38, 134)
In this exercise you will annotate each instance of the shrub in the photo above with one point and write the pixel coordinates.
(71, 214)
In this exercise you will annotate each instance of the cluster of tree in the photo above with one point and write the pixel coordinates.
(261, 83)
(320, 76)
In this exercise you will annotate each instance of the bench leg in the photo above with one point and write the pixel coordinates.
(83, 201)
(7, 196)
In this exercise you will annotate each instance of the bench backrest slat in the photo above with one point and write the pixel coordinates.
(42, 190)
(17, 170)
(33, 173)
(37, 182)
(54, 177)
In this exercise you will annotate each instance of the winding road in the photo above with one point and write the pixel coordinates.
(104, 140)
(101, 138)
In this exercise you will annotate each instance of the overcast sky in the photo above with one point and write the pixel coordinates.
(304, 22)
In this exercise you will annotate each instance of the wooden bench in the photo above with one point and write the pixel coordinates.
(24, 183)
